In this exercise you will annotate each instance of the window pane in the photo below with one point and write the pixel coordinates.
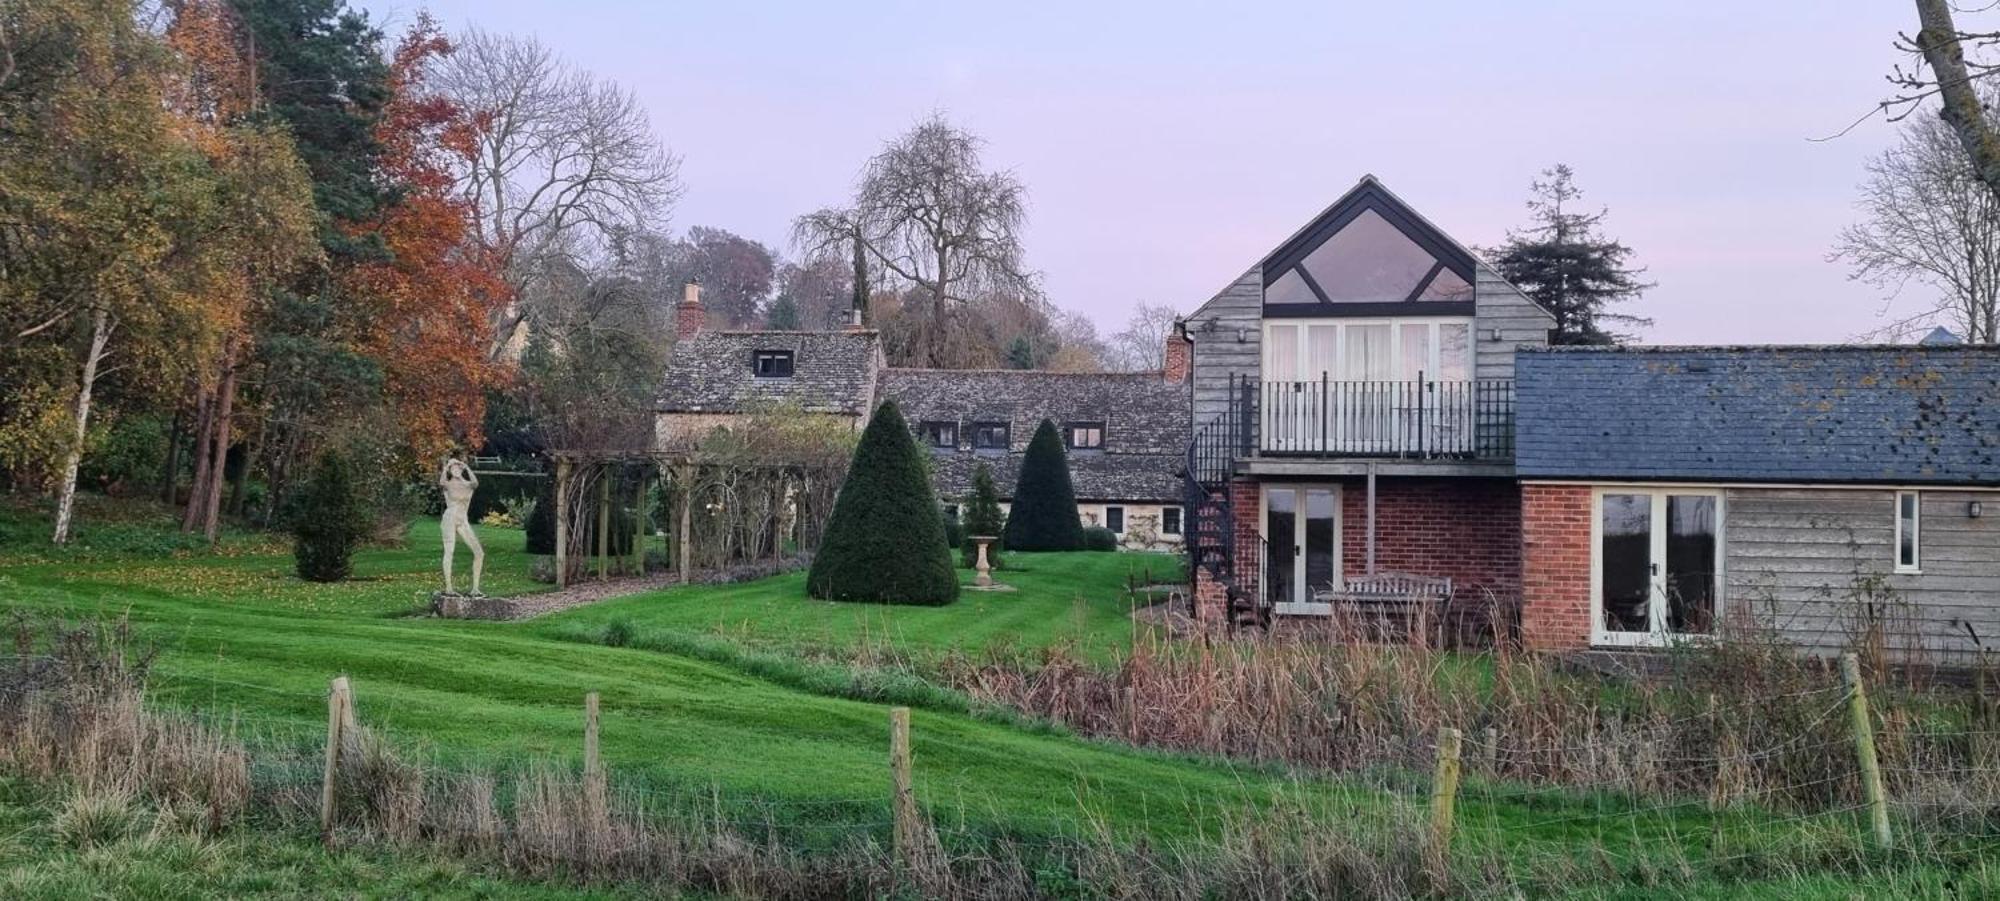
(1281, 354)
(1454, 352)
(1114, 518)
(1280, 515)
(1290, 288)
(1691, 563)
(1368, 261)
(1627, 552)
(1322, 351)
(1415, 340)
(1367, 356)
(1170, 520)
(1447, 286)
(1319, 540)
(1906, 530)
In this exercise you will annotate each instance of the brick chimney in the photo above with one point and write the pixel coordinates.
(1180, 354)
(689, 314)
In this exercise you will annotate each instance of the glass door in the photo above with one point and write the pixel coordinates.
(1301, 531)
(1658, 566)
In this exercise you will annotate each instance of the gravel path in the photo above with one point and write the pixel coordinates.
(587, 591)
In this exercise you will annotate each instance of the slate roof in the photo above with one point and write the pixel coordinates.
(833, 372)
(1146, 425)
(1869, 414)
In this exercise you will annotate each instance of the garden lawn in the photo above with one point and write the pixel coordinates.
(244, 638)
(1075, 599)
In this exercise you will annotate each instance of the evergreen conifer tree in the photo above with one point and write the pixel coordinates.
(983, 517)
(331, 521)
(541, 525)
(1044, 514)
(885, 541)
(783, 314)
(1567, 266)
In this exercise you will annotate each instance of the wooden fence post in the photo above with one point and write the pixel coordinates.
(337, 718)
(594, 788)
(562, 523)
(1444, 790)
(904, 801)
(1864, 748)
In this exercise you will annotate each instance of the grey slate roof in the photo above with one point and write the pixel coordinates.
(1869, 414)
(833, 372)
(1145, 425)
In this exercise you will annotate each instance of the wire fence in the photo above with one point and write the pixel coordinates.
(1657, 796)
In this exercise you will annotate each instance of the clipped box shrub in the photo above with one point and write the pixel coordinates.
(1099, 538)
(1044, 514)
(885, 542)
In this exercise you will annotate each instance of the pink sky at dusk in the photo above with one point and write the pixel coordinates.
(1167, 147)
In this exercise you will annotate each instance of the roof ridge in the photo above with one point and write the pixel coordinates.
(994, 370)
(1761, 348)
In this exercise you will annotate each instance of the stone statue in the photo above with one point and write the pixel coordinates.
(458, 483)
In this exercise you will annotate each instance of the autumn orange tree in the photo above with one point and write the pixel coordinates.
(431, 299)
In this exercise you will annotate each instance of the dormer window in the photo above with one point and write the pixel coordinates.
(1085, 435)
(990, 436)
(941, 435)
(772, 364)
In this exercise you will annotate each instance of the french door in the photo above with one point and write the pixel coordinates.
(1656, 565)
(1301, 529)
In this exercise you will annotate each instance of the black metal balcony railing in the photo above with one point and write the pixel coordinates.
(1417, 419)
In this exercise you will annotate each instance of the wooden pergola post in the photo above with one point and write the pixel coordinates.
(682, 540)
(603, 524)
(562, 523)
(639, 526)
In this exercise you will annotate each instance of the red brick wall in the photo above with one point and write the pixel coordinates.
(1467, 529)
(1555, 566)
(1179, 356)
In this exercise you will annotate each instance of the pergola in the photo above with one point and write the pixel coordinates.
(765, 501)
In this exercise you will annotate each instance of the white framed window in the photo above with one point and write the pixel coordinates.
(1170, 520)
(1909, 532)
(1368, 350)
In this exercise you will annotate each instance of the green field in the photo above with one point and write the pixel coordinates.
(243, 637)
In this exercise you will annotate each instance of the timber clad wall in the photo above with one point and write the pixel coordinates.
(1500, 307)
(1555, 567)
(1217, 353)
(1467, 529)
(1803, 560)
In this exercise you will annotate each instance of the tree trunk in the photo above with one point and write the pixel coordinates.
(238, 485)
(1938, 40)
(170, 473)
(204, 412)
(101, 325)
(225, 401)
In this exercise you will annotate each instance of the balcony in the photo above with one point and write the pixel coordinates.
(1416, 420)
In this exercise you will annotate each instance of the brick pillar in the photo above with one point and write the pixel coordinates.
(689, 315)
(1180, 354)
(1555, 567)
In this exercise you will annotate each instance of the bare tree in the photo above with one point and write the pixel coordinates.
(930, 215)
(1141, 346)
(1929, 218)
(560, 161)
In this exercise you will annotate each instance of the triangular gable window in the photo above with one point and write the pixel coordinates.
(1365, 255)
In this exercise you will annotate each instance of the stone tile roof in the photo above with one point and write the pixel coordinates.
(1877, 414)
(833, 372)
(1146, 425)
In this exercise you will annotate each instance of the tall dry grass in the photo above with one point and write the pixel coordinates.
(1745, 717)
(72, 711)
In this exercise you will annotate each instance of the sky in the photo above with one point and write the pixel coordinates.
(1167, 147)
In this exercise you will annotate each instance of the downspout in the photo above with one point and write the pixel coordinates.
(1371, 517)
